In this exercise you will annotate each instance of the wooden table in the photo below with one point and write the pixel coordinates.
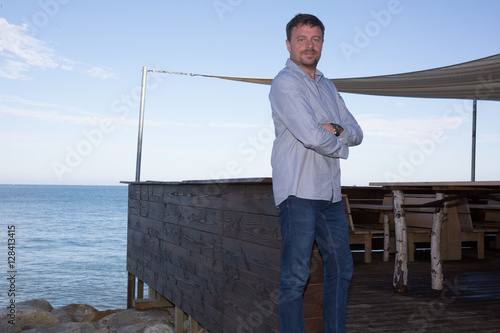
(441, 189)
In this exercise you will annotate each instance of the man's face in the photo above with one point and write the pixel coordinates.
(305, 46)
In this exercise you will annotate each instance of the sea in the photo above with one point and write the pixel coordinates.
(65, 244)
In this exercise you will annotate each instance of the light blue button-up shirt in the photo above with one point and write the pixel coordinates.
(305, 156)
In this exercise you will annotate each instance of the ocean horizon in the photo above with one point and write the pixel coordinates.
(65, 243)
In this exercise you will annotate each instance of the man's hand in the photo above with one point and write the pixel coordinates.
(330, 128)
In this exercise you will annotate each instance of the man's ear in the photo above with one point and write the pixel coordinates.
(288, 45)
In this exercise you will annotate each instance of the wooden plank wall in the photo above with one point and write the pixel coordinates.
(213, 250)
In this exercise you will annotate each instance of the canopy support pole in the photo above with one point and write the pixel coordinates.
(473, 159)
(141, 125)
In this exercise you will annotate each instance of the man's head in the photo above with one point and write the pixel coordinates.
(304, 19)
(305, 41)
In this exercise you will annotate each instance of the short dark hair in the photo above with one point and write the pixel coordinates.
(301, 19)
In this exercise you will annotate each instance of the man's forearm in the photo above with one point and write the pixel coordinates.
(329, 127)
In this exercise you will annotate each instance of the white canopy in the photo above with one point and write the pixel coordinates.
(476, 80)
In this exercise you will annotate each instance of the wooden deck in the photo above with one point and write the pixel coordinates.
(470, 301)
(213, 250)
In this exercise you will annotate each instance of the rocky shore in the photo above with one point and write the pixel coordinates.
(38, 316)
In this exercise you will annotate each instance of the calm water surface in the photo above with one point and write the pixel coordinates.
(71, 244)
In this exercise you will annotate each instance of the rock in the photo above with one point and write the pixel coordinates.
(159, 328)
(30, 315)
(85, 327)
(38, 316)
(105, 313)
(76, 313)
(147, 321)
(5, 327)
(40, 303)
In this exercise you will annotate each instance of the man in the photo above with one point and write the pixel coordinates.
(313, 131)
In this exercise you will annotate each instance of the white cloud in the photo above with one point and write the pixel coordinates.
(52, 116)
(20, 53)
(488, 138)
(235, 125)
(407, 130)
(100, 72)
(22, 101)
(19, 107)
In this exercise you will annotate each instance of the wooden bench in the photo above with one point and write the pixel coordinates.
(363, 233)
(418, 220)
(491, 221)
(458, 228)
(459, 210)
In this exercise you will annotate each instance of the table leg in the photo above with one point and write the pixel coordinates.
(400, 281)
(436, 262)
(387, 245)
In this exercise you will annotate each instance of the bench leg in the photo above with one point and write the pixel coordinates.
(411, 247)
(480, 245)
(368, 249)
(387, 245)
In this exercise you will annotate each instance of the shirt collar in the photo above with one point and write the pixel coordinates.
(296, 68)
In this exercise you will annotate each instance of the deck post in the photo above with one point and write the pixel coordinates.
(140, 289)
(436, 262)
(193, 325)
(400, 281)
(179, 320)
(130, 290)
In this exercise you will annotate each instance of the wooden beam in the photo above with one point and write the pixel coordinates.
(193, 325)
(179, 320)
(130, 290)
(148, 303)
(140, 289)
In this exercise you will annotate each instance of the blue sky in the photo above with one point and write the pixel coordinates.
(70, 75)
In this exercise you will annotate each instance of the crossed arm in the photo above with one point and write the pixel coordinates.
(330, 128)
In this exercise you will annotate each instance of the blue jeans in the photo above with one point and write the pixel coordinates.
(303, 222)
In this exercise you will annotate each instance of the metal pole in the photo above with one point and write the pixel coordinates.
(141, 125)
(474, 118)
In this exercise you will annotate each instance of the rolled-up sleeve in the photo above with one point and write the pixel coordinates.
(352, 134)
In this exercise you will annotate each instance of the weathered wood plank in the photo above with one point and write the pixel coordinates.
(236, 197)
(243, 315)
(252, 257)
(256, 228)
(251, 286)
